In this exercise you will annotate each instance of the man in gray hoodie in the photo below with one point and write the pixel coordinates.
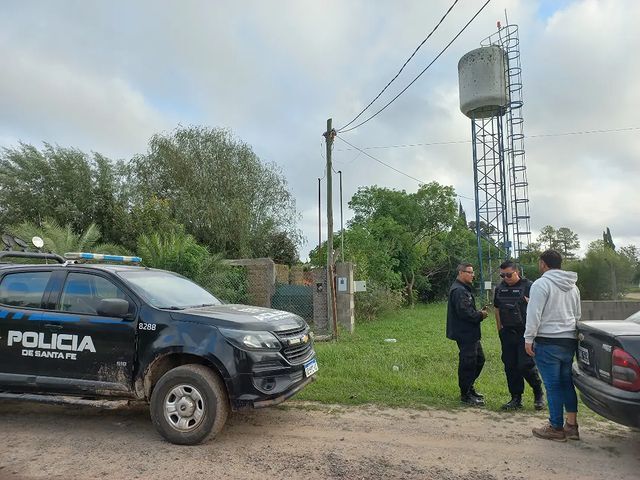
(550, 337)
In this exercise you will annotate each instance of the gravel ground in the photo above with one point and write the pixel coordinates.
(310, 441)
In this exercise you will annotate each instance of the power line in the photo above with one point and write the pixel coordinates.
(421, 73)
(402, 68)
(422, 182)
(541, 135)
(583, 132)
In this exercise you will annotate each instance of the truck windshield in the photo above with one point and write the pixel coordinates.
(168, 290)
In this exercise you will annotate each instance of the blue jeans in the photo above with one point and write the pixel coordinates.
(554, 363)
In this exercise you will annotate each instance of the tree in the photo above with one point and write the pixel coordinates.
(61, 240)
(603, 273)
(632, 254)
(566, 242)
(279, 247)
(607, 239)
(547, 237)
(371, 255)
(486, 230)
(218, 188)
(462, 214)
(407, 223)
(179, 252)
(64, 185)
(175, 251)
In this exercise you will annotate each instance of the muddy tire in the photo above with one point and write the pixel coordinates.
(189, 404)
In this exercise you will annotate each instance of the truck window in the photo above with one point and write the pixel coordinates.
(23, 289)
(168, 290)
(82, 293)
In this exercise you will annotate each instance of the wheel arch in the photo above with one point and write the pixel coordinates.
(170, 360)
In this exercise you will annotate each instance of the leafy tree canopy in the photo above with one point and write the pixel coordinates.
(218, 188)
(64, 185)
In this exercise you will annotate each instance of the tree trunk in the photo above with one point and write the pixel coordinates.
(409, 282)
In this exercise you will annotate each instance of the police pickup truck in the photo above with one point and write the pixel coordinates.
(73, 332)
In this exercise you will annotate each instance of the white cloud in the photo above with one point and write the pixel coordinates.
(106, 76)
(44, 100)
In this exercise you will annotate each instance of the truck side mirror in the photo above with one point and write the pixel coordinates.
(113, 307)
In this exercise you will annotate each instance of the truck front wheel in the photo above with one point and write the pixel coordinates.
(189, 404)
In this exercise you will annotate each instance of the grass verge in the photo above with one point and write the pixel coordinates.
(359, 368)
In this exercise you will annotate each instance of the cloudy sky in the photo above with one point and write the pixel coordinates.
(105, 75)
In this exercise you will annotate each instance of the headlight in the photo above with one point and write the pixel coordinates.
(249, 340)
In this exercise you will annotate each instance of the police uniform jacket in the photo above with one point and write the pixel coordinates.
(463, 318)
(509, 299)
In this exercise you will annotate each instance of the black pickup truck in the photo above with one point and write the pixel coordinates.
(73, 332)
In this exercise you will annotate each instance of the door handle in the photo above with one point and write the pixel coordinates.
(53, 325)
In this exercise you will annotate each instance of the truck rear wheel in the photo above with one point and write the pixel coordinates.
(189, 404)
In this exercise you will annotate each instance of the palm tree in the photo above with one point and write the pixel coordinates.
(61, 240)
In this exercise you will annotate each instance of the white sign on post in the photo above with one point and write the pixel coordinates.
(360, 286)
(342, 284)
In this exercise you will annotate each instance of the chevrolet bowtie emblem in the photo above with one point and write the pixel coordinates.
(305, 339)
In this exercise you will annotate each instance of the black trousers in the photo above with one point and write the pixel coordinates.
(518, 366)
(470, 363)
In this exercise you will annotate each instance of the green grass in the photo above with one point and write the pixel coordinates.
(358, 369)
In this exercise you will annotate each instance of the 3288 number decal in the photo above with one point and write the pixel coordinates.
(146, 326)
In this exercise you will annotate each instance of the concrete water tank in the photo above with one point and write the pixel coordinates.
(483, 87)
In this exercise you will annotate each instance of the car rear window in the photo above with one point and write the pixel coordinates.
(23, 289)
(634, 318)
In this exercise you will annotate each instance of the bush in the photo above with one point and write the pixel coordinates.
(376, 301)
(228, 283)
(179, 252)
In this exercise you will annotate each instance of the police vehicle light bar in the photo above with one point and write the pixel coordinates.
(101, 256)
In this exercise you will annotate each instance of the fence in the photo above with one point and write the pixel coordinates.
(263, 283)
(229, 284)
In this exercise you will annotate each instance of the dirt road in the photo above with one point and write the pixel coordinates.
(308, 441)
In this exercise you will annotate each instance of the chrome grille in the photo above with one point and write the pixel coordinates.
(291, 333)
(298, 353)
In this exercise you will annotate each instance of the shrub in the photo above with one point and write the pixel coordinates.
(376, 301)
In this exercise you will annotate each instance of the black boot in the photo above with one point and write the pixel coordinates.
(472, 401)
(514, 404)
(473, 393)
(538, 400)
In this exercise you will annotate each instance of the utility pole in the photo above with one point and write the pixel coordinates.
(329, 136)
(319, 216)
(341, 220)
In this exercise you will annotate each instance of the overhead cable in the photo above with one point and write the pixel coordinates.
(420, 74)
(402, 68)
(421, 182)
(540, 135)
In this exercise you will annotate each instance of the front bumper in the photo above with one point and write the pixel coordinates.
(613, 403)
(266, 379)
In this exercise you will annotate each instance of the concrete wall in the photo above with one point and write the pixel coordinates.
(261, 279)
(320, 311)
(344, 299)
(608, 310)
(282, 274)
(296, 275)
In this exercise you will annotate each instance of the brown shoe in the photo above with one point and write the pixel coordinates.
(571, 431)
(550, 433)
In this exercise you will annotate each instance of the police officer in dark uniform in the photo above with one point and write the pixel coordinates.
(510, 299)
(463, 326)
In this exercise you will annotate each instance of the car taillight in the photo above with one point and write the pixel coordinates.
(625, 371)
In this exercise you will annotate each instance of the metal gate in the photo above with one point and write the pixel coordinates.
(296, 299)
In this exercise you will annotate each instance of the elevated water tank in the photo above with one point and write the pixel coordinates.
(483, 87)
